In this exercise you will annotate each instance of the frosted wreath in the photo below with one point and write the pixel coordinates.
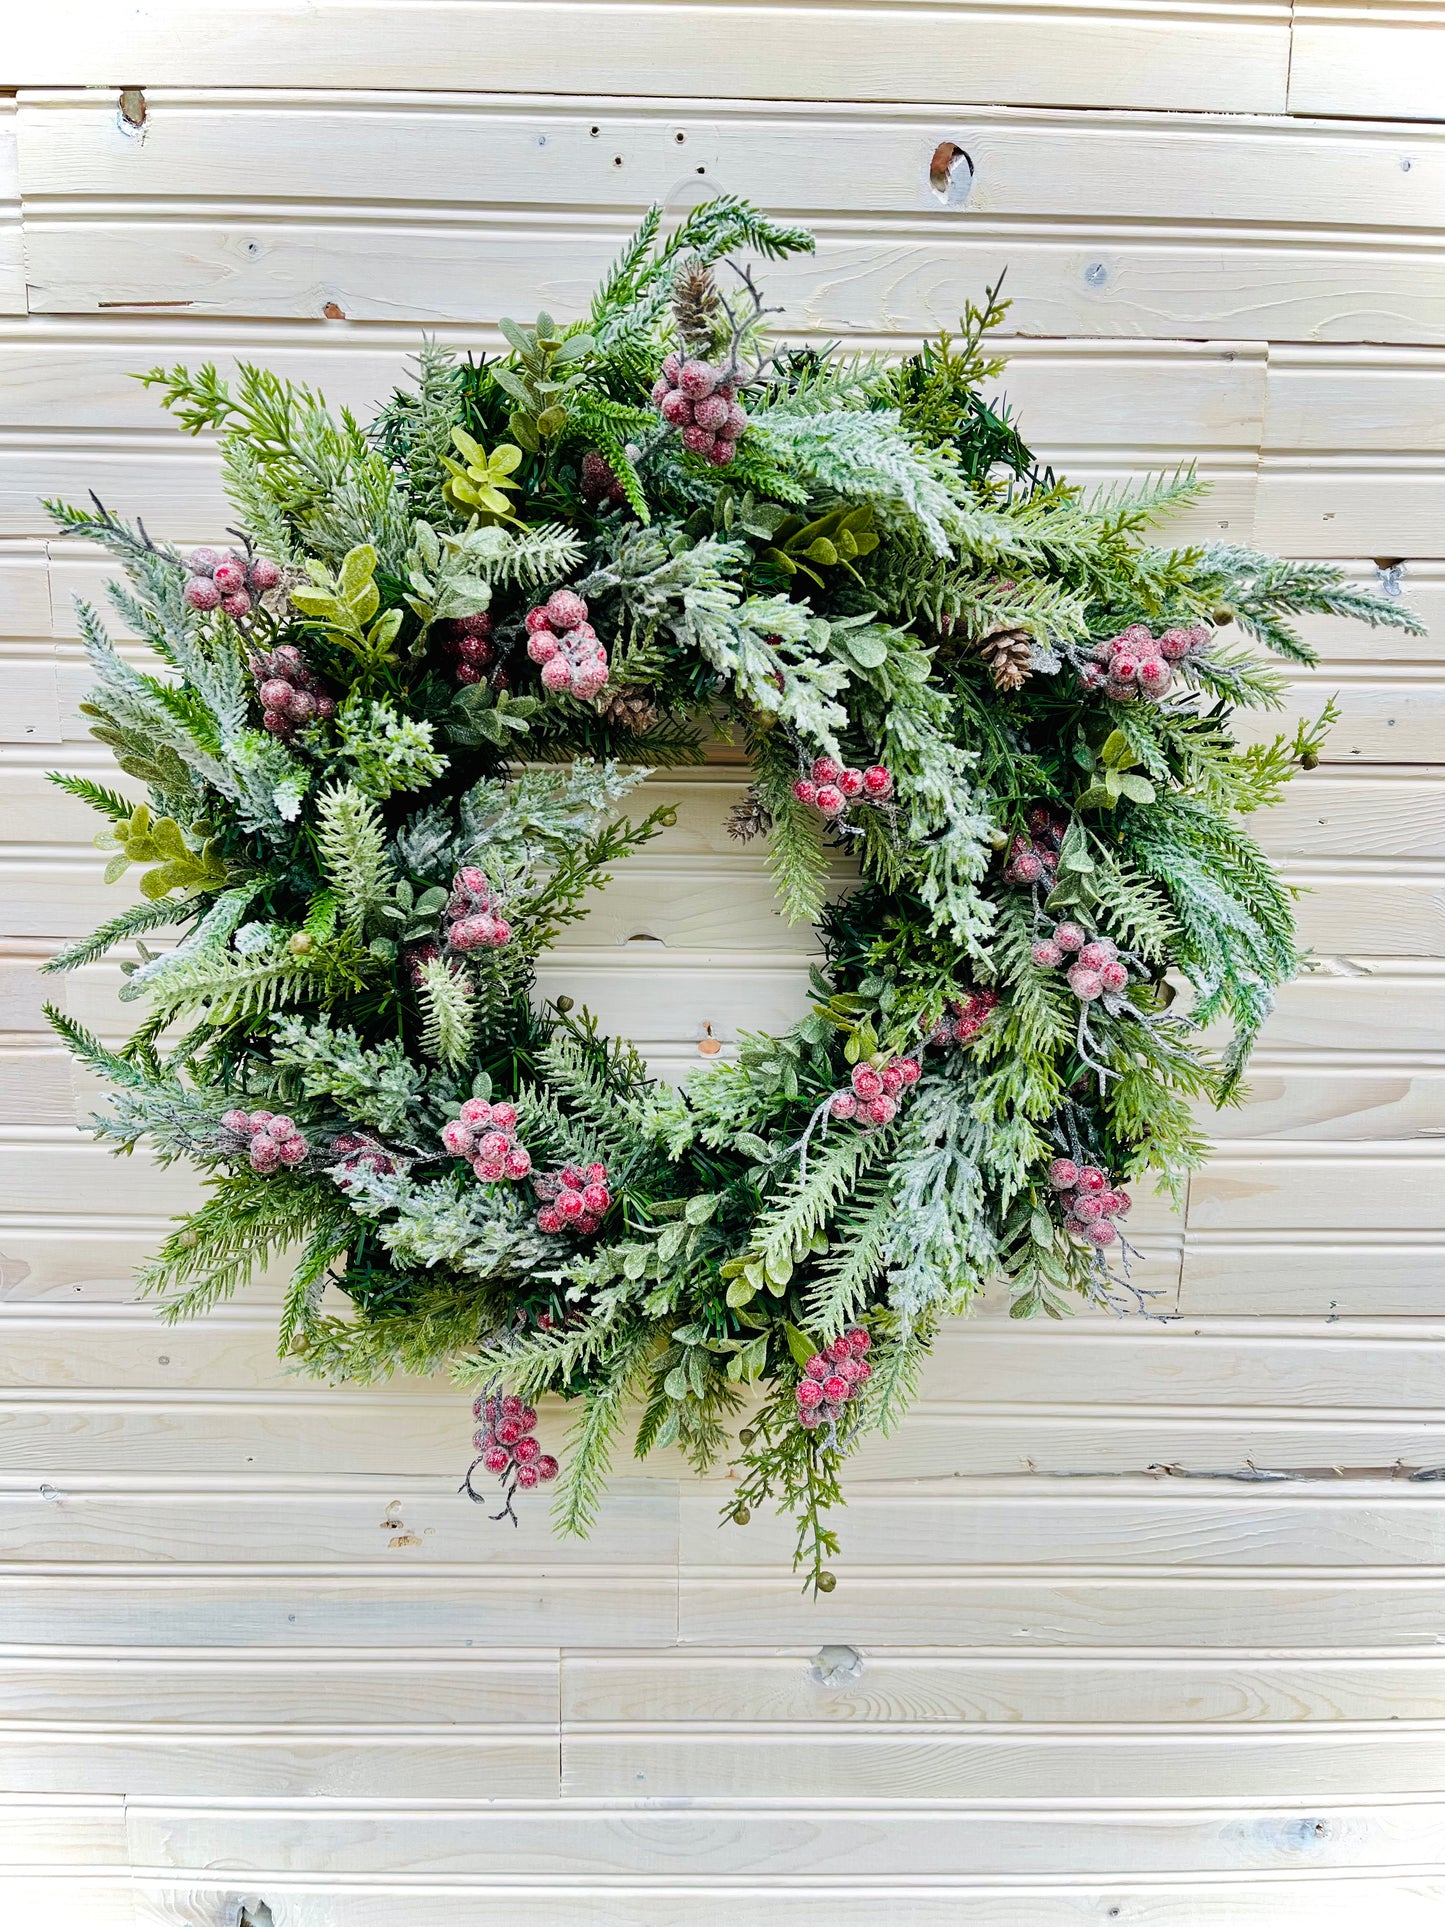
(382, 753)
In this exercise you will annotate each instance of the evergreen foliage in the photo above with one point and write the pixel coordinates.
(874, 575)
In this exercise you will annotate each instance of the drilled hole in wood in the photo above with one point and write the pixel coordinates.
(643, 936)
(950, 173)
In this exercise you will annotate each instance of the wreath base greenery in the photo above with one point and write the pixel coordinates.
(383, 751)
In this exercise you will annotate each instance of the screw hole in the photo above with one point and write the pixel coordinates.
(950, 174)
(617, 160)
(702, 170)
(595, 132)
(679, 138)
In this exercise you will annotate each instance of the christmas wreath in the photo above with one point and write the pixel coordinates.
(383, 751)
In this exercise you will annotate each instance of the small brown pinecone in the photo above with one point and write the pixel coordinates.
(1008, 653)
(749, 818)
(628, 709)
(696, 304)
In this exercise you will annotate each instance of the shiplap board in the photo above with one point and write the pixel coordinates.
(1353, 57)
(1188, 1902)
(1231, 54)
(806, 1840)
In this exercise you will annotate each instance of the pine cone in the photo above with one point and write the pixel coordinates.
(749, 818)
(629, 709)
(1008, 653)
(696, 305)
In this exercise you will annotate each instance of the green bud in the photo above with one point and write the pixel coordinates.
(564, 1004)
(301, 944)
(827, 1581)
(741, 1515)
(1309, 760)
(747, 1435)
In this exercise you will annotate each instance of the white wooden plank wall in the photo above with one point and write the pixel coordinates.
(251, 1643)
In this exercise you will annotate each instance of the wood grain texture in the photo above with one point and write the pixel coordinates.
(1232, 55)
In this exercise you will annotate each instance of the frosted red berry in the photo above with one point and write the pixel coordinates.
(1068, 936)
(850, 781)
(1046, 954)
(831, 800)
(881, 1110)
(836, 1390)
(1100, 951)
(818, 1366)
(1086, 984)
(810, 1393)
(1114, 976)
(1063, 1174)
(1091, 1178)
(496, 1458)
(843, 1105)
(805, 791)
(825, 770)
(877, 783)
(866, 1081)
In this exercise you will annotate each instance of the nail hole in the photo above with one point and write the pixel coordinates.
(595, 132)
(617, 160)
(950, 174)
(702, 170)
(679, 138)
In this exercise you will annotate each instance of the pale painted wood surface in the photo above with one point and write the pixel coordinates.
(251, 1641)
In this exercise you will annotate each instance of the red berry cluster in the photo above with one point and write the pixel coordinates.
(1096, 967)
(466, 646)
(231, 582)
(875, 1091)
(599, 481)
(573, 1199)
(274, 1143)
(563, 641)
(968, 1019)
(830, 787)
(1136, 663)
(1034, 858)
(702, 403)
(1090, 1201)
(355, 1153)
(292, 696)
(486, 1134)
(506, 1438)
(474, 920)
(832, 1377)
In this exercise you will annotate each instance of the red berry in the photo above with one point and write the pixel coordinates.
(809, 1420)
(489, 1170)
(842, 1104)
(203, 561)
(238, 1122)
(504, 1116)
(1068, 936)
(509, 1430)
(1114, 976)
(527, 1450)
(676, 409)
(295, 1150)
(850, 781)
(597, 1198)
(671, 368)
(877, 783)
(1101, 951)
(697, 379)
(546, 1467)
(1086, 984)
(265, 574)
(1026, 868)
(595, 1174)
(570, 1206)
(476, 1110)
(573, 1179)
(721, 453)
(1063, 1174)
(825, 770)
(910, 1070)
(537, 619)
(548, 1220)
(229, 576)
(1091, 1178)
(1088, 1208)
(838, 1347)
(1102, 1233)
(818, 1366)
(735, 426)
(850, 1368)
(810, 1393)
(866, 1082)
(517, 1163)
(202, 593)
(711, 413)
(698, 441)
(805, 791)
(1122, 1204)
(830, 800)
(859, 1341)
(1046, 953)
(565, 609)
(496, 1458)
(661, 389)
(881, 1110)
(836, 1389)
(892, 1079)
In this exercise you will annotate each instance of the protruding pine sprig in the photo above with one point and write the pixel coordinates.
(137, 920)
(449, 1021)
